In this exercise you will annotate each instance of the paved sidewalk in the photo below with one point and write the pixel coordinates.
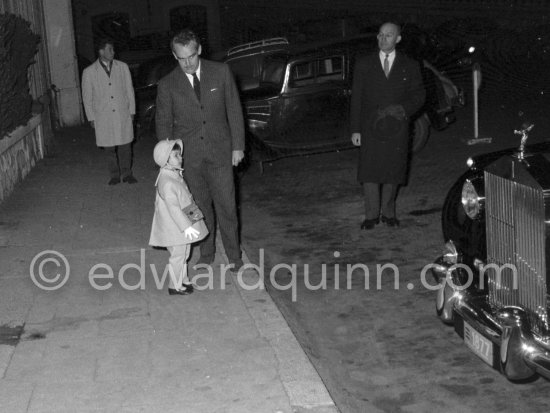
(129, 347)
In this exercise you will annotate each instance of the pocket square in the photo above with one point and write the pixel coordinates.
(211, 90)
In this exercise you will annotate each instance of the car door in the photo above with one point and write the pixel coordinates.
(315, 103)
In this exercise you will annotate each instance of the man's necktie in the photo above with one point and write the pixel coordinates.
(107, 69)
(197, 86)
(387, 66)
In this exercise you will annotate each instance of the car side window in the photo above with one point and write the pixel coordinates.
(317, 71)
(302, 74)
(330, 68)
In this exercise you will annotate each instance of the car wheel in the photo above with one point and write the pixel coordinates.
(421, 132)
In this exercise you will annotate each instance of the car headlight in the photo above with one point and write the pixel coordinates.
(450, 254)
(471, 202)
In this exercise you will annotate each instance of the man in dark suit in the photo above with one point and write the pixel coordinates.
(198, 102)
(387, 91)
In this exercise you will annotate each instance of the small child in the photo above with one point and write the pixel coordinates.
(177, 221)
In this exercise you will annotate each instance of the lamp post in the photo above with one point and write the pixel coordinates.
(476, 80)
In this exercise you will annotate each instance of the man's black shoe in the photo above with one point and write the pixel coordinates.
(390, 222)
(114, 181)
(369, 223)
(129, 179)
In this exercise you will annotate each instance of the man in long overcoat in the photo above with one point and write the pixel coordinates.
(109, 103)
(387, 91)
(199, 103)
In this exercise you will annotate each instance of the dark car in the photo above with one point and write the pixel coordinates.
(145, 86)
(296, 97)
(493, 276)
(300, 101)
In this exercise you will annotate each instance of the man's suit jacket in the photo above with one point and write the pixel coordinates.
(383, 157)
(210, 128)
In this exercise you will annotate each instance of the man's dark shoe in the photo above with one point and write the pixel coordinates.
(390, 222)
(114, 181)
(186, 291)
(129, 179)
(369, 223)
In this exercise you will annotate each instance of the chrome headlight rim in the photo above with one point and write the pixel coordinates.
(470, 199)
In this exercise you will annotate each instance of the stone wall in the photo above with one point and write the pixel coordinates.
(19, 153)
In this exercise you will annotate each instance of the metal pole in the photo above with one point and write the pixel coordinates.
(475, 74)
(476, 77)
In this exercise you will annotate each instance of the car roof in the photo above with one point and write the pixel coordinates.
(358, 41)
(290, 50)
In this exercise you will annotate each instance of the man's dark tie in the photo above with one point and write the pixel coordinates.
(197, 86)
(386, 66)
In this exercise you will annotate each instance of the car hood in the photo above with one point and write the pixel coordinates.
(481, 161)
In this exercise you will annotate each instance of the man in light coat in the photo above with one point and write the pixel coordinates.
(109, 103)
(198, 102)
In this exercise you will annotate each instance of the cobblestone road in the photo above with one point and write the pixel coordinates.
(379, 349)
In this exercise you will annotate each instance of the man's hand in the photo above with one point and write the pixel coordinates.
(92, 124)
(191, 233)
(238, 156)
(356, 139)
(397, 111)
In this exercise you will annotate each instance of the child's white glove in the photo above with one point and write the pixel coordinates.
(191, 233)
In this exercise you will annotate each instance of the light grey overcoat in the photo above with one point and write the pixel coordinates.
(109, 102)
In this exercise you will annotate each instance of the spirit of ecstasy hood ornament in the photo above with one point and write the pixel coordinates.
(524, 132)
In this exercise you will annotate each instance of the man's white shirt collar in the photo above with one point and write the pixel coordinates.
(391, 57)
(198, 72)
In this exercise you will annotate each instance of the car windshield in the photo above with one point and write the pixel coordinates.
(252, 72)
(273, 72)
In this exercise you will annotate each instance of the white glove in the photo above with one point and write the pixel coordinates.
(191, 233)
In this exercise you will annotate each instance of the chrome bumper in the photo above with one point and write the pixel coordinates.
(517, 353)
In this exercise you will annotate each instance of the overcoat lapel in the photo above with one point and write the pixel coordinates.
(394, 67)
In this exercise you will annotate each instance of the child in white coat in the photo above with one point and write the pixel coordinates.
(177, 221)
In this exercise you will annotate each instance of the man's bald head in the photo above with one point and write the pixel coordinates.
(388, 36)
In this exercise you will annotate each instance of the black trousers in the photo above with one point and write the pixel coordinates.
(119, 160)
(213, 189)
(379, 199)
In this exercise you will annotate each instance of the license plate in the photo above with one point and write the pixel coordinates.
(478, 344)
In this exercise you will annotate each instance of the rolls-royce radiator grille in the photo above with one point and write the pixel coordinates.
(516, 244)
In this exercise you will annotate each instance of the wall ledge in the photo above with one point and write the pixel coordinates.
(19, 133)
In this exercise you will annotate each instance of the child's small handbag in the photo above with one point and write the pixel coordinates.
(193, 212)
(196, 217)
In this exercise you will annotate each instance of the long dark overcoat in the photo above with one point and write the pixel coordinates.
(383, 157)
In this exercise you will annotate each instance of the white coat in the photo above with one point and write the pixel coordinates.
(109, 102)
(169, 221)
